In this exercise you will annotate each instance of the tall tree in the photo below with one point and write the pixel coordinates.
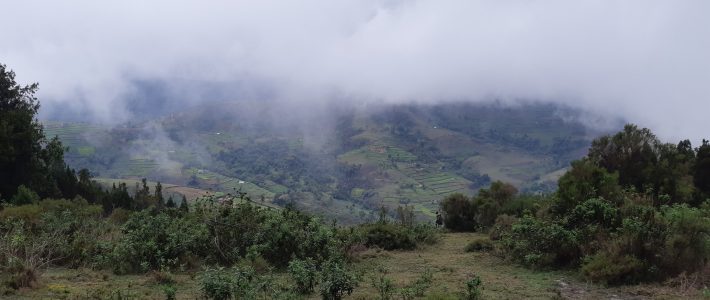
(632, 152)
(183, 204)
(701, 170)
(21, 136)
(159, 195)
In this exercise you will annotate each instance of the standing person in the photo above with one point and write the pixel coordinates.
(439, 219)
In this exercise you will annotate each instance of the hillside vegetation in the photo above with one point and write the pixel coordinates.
(632, 211)
(363, 159)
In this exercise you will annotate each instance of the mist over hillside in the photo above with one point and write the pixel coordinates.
(341, 159)
(355, 149)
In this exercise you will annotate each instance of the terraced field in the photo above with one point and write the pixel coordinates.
(137, 167)
(74, 136)
(220, 183)
(398, 154)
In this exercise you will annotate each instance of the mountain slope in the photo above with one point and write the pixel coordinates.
(343, 163)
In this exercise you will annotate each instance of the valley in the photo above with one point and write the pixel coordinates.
(386, 156)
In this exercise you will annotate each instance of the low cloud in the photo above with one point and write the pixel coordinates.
(643, 60)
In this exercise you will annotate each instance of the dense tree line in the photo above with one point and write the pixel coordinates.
(30, 165)
(634, 209)
(33, 167)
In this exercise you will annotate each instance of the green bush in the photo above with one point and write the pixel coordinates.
(383, 285)
(153, 242)
(479, 245)
(594, 211)
(233, 283)
(422, 283)
(469, 214)
(335, 280)
(473, 288)
(535, 242)
(459, 213)
(24, 196)
(169, 291)
(24, 254)
(388, 236)
(217, 284)
(276, 235)
(502, 225)
(304, 273)
(687, 243)
(613, 268)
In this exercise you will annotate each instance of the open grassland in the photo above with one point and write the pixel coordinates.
(452, 266)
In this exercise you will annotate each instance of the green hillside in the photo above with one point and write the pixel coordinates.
(388, 156)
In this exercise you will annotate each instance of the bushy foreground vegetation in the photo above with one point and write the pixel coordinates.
(633, 210)
(52, 216)
(243, 243)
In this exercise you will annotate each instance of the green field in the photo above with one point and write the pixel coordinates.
(225, 184)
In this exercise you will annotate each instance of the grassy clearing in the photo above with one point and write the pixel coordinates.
(452, 267)
(91, 284)
(450, 264)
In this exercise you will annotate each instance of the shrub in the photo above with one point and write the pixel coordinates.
(388, 236)
(24, 254)
(422, 283)
(234, 283)
(503, 224)
(383, 285)
(155, 242)
(594, 211)
(276, 235)
(425, 234)
(473, 288)
(479, 245)
(613, 268)
(217, 284)
(535, 242)
(304, 273)
(24, 196)
(169, 292)
(335, 280)
(490, 202)
(459, 213)
(687, 244)
(583, 181)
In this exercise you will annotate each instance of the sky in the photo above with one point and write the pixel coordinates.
(645, 61)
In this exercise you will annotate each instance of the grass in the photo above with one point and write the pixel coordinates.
(452, 267)
(501, 279)
(60, 283)
(450, 264)
(138, 167)
(86, 150)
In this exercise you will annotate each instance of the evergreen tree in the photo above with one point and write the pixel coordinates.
(170, 203)
(701, 170)
(183, 204)
(21, 136)
(159, 195)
